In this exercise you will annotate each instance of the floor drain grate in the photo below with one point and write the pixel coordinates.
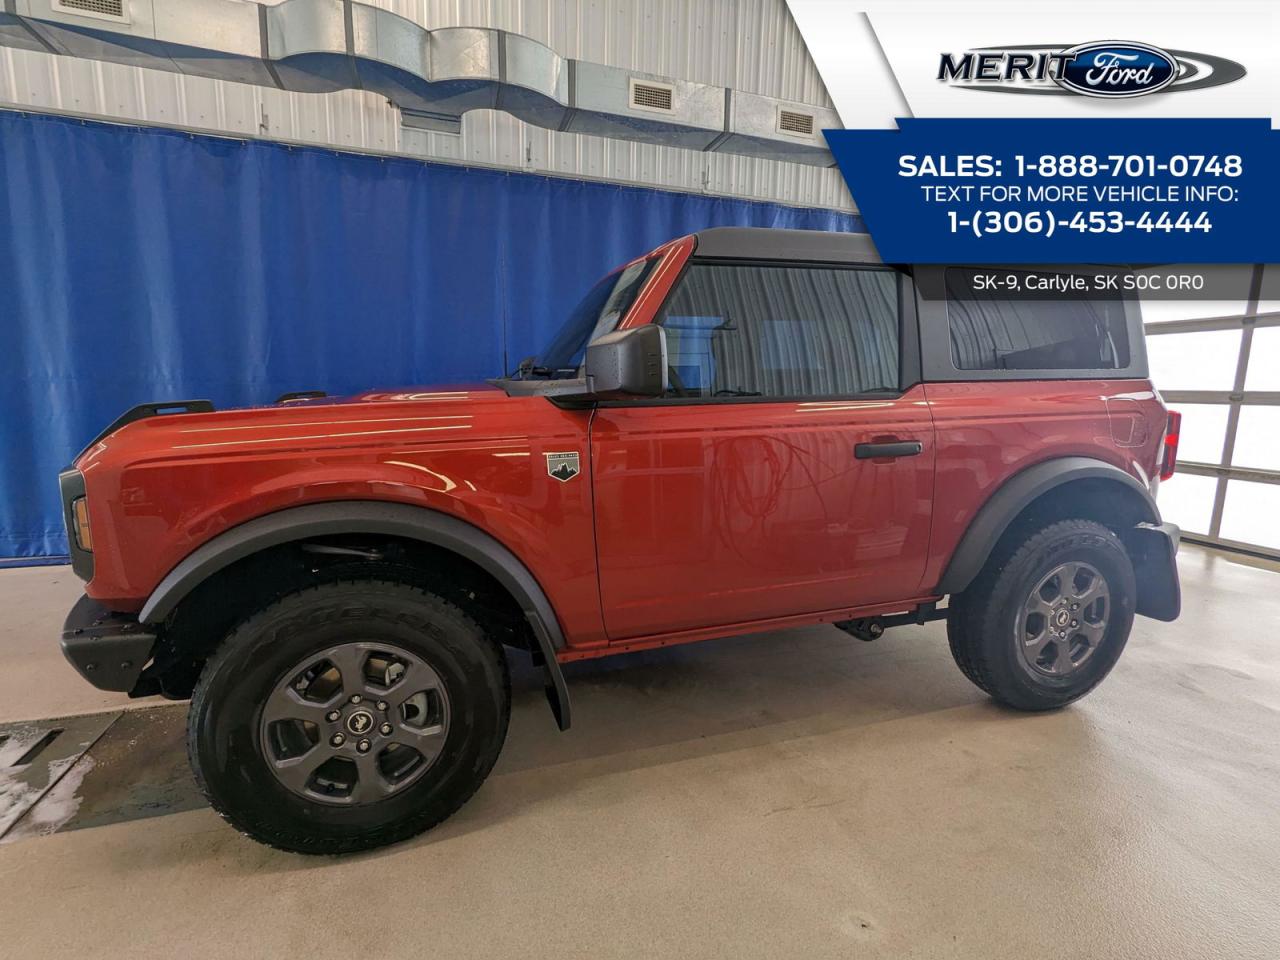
(37, 748)
(35, 755)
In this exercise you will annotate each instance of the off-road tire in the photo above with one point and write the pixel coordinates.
(223, 740)
(983, 622)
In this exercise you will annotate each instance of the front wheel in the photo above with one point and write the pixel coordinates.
(1048, 618)
(348, 716)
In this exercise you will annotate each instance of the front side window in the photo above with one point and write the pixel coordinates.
(994, 333)
(781, 331)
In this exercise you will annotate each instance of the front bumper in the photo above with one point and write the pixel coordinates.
(108, 649)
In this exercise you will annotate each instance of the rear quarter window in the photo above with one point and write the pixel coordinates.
(989, 332)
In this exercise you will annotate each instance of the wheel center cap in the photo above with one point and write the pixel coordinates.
(360, 722)
(1063, 618)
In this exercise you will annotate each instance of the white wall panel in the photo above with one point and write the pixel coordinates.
(751, 45)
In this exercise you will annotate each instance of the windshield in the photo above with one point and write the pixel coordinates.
(595, 315)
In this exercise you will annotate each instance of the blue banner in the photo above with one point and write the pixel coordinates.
(1066, 190)
(140, 265)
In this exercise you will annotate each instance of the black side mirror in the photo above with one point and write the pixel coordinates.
(628, 363)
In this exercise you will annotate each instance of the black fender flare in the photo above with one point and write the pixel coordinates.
(365, 517)
(1152, 543)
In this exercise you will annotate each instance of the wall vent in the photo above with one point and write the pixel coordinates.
(102, 9)
(649, 95)
(793, 121)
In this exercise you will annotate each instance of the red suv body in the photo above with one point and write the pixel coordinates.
(769, 428)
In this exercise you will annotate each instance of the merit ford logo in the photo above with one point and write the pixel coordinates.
(1108, 69)
(1117, 70)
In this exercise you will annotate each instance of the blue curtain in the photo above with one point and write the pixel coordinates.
(140, 264)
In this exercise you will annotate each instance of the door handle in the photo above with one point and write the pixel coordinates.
(892, 448)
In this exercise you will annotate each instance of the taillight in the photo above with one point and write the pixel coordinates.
(1169, 454)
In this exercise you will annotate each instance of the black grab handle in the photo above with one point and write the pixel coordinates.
(895, 448)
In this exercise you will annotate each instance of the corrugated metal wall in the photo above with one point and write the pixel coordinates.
(750, 45)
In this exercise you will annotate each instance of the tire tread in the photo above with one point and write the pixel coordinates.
(969, 622)
(299, 609)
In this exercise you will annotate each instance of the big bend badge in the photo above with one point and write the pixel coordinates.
(563, 466)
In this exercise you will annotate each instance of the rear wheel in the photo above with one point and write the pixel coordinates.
(1048, 618)
(348, 716)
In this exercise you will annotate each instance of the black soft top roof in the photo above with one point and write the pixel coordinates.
(766, 243)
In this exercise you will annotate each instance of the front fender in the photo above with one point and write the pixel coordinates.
(369, 517)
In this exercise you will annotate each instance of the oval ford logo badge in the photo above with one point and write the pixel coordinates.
(1114, 69)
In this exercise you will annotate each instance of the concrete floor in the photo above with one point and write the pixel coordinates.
(797, 794)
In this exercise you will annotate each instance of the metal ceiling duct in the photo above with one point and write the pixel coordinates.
(432, 76)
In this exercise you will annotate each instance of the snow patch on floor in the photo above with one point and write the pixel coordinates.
(57, 806)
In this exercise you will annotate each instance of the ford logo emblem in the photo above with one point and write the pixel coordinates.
(1115, 69)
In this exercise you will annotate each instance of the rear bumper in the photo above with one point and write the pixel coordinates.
(1153, 548)
(107, 649)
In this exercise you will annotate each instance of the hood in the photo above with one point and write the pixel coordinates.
(376, 417)
(433, 393)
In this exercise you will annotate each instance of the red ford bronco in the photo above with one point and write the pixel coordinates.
(740, 431)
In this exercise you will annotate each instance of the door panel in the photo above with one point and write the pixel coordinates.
(718, 513)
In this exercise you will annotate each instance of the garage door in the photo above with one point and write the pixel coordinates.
(1218, 364)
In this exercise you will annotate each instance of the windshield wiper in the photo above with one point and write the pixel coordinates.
(730, 392)
(528, 367)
